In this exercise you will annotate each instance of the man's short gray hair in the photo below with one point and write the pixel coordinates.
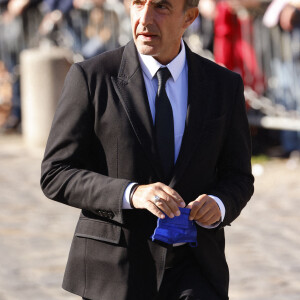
(191, 3)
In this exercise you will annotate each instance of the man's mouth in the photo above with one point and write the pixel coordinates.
(146, 36)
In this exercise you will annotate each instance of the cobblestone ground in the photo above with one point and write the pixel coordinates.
(35, 233)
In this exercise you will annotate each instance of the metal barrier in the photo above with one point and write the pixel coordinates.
(278, 53)
(271, 72)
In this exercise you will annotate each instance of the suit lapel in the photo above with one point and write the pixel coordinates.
(198, 95)
(130, 87)
(131, 90)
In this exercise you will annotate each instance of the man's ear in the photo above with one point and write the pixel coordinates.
(190, 15)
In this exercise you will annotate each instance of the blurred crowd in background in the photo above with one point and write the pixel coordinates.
(259, 39)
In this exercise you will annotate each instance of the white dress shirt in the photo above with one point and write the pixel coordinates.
(177, 91)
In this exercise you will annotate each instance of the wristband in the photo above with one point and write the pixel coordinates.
(134, 187)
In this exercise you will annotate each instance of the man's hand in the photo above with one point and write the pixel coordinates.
(204, 210)
(168, 203)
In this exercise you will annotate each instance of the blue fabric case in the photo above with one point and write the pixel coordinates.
(176, 230)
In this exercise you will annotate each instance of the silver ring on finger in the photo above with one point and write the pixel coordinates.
(156, 199)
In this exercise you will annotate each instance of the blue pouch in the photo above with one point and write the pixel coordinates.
(176, 230)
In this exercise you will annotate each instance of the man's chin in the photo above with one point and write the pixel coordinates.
(146, 49)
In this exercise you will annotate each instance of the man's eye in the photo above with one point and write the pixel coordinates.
(161, 6)
(137, 3)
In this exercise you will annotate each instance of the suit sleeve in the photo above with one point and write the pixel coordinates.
(68, 175)
(235, 181)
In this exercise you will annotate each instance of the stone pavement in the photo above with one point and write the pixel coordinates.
(263, 245)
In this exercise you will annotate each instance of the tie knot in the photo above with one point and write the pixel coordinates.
(163, 75)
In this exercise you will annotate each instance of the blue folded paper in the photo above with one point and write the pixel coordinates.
(176, 230)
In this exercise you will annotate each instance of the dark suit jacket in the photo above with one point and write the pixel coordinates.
(102, 139)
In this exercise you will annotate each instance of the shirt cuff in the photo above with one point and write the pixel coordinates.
(126, 203)
(223, 211)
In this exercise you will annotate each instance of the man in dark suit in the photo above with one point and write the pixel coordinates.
(119, 153)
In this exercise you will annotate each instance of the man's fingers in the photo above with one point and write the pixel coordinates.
(165, 199)
(169, 200)
(154, 210)
(209, 219)
(204, 210)
(195, 208)
(173, 194)
(168, 206)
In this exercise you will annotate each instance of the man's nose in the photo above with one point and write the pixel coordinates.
(146, 16)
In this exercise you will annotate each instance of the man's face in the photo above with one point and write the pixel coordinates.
(158, 25)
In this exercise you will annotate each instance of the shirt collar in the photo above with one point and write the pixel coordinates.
(150, 65)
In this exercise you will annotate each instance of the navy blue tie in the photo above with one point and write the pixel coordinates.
(164, 124)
